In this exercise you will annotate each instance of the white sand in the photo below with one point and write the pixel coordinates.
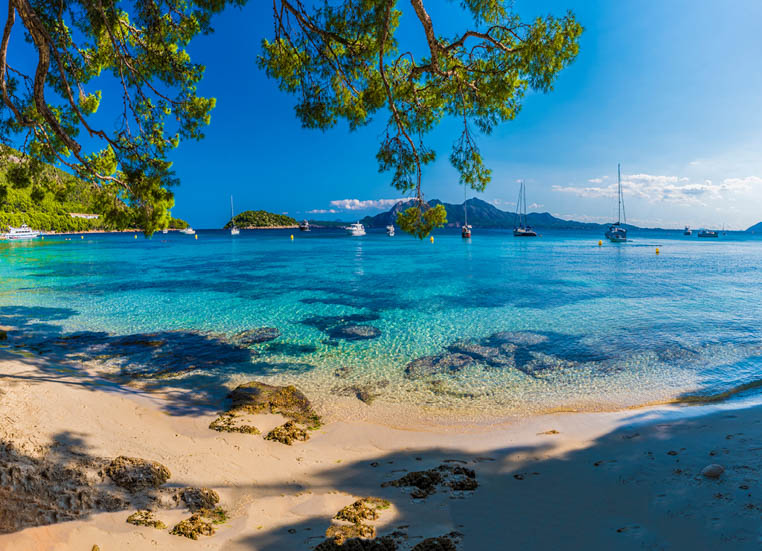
(605, 481)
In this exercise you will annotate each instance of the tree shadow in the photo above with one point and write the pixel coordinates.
(637, 487)
(189, 368)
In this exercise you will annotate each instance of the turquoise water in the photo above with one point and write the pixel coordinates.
(497, 325)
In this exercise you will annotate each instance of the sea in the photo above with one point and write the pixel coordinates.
(494, 325)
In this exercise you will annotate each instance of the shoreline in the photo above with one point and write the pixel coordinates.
(628, 479)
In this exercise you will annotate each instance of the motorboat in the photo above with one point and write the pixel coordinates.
(390, 230)
(708, 233)
(188, 231)
(617, 232)
(687, 231)
(356, 229)
(21, 233)
(304, 226)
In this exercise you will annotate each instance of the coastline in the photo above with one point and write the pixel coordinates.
(627, 480)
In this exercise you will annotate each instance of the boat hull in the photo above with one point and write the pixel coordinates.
(524, 233)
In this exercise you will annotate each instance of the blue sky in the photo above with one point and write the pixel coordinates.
(672, 89)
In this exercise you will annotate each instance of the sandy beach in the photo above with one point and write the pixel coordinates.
(621, 480)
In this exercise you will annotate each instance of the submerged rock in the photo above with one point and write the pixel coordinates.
(378, 544)
(354, 332)
(145, 518)
(713, 471)
(257, 336)
(197, 499)
(135, 474)
(363, 509)
(437, 365)
(256, 397)
(288, 433)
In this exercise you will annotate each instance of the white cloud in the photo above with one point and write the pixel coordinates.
(535, 206)
(671, 189)
(322, 211)
(356, 204)
(598, 180)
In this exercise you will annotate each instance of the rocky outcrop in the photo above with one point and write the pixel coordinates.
(135, 474)
(197, 499)
(363, 509)
(256, 397)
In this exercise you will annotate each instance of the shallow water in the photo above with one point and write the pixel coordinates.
(504, 325)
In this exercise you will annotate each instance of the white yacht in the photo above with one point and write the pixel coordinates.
(165, 231)
(188, 231)
(356, 229)
(390, 230)
(24, 232)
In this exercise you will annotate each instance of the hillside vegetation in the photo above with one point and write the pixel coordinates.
(48, 207)
(260, 219)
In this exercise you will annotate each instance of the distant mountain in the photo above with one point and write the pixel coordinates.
(483, 215)
(755, 228)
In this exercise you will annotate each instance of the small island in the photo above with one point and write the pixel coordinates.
(261, 219)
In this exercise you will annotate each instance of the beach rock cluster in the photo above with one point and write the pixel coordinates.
(425, 483)
(288, 433)
(135, 474)
(349, 529)
(193, 527)
(197, 499)
(145, 517)
(46, 486)
(255, 397)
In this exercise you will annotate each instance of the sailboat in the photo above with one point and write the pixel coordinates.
(234, 230)
(465, 231)
(521, 228)
(617, 233)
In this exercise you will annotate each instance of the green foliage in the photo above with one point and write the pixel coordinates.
(420, 221)
(343, 62)
(138, 47)
(260, 219)
(47, 207)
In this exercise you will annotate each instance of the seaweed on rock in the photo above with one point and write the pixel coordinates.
(144, 517)
(135, 474)
(256, 397)
(288, 433)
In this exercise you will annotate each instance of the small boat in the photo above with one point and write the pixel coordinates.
(390, 230)
(708, 233)
(165, 231)
(687, 231)
(618, 233)
(465, 231)
(304, 226)
(234, 229)
(24, 232)
(356, 229)
(188, 231)
(521, 228)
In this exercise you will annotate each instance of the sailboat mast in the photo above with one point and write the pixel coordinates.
(619, 192)
(523, 185)
(465, 206)
(231, 206)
